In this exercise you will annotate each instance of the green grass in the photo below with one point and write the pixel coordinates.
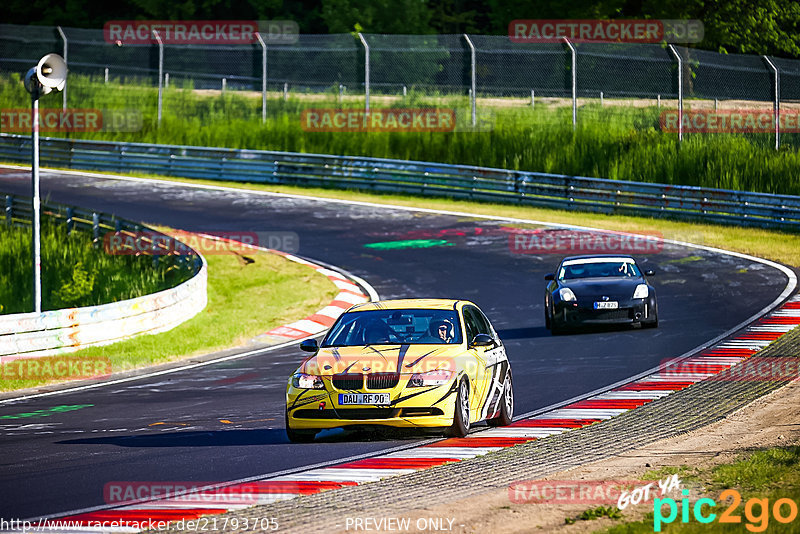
(614, 141)
(74, 273)
(244, 300)
(765, 474)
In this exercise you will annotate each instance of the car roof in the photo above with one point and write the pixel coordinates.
(597, 256)
(399, 304)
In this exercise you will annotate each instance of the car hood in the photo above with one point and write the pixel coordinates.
(611, 287)
(381, 358)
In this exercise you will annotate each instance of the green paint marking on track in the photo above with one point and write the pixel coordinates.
(48, 412)
(409, 243)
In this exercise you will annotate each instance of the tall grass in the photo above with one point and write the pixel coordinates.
(74, 272)
(613, 141)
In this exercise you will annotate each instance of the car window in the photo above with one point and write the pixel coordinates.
(472, 323)
(599, 269)
(481, 321)
(386, 327)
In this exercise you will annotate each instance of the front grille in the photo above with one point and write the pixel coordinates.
(348, 381)
(382, 380)
(607, 315)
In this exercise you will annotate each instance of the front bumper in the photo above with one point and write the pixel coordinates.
(582, 312)
(418, 407)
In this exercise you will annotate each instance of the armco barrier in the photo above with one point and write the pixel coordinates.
(385, 175)
(31, 335)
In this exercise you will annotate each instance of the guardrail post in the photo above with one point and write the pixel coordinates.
(263, 77)
(160, 71)
(366, 72)
(680, 90)
(70, 221)
(64, 91)
(95, 228)
(9, 209)
(776, 105)
(574, 82)
(473, 89)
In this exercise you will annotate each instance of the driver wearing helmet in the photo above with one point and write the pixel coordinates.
(441, 330)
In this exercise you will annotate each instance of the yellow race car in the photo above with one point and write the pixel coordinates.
(416, 363)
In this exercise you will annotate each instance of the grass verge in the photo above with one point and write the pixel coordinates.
(74, 273)
(245, 298)
(761, 478)
(612, 141)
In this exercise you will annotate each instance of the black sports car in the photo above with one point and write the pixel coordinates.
(597, 290)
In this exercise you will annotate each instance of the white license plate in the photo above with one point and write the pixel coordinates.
(364, 398)
(610, 305)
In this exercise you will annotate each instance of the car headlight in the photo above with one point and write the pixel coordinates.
(566, 294)
(641, 292)
(431, 378)
(304, 381)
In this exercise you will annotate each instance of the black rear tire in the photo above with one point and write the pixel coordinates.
(460, 426)
(504, 418)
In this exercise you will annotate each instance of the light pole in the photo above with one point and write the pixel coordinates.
(50, 73)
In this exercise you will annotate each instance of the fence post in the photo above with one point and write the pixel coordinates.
(680, 90)
(263, 77)
(160, 71)
(777, 103)
(105, 75)
(95, 228)
(224, 83)
(574, 82)
(473, 88)
(366, 71)
(533, 94)
(70, 221)
(9, 209)
(64, 91)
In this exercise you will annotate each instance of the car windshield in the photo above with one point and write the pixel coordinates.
(391, 327)
(598, 269)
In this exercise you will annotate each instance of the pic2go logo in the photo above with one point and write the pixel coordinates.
(756, 511)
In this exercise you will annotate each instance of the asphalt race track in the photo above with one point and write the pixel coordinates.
(62, 462)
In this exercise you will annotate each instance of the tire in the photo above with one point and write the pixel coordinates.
(298, 436)
(557, 328)
(506, 404)
(651, 324)
(460, 426)
(547, 320)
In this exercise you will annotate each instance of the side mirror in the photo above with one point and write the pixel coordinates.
(309, 345)
(550, 276)
(649, 272)
(483, 340)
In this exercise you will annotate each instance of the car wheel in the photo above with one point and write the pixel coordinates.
(651, 324)
(298, 436)
(460, 426)
(506, 404)
(557, 328)
(547, 320)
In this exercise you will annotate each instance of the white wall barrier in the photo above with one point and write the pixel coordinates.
(31, 335)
